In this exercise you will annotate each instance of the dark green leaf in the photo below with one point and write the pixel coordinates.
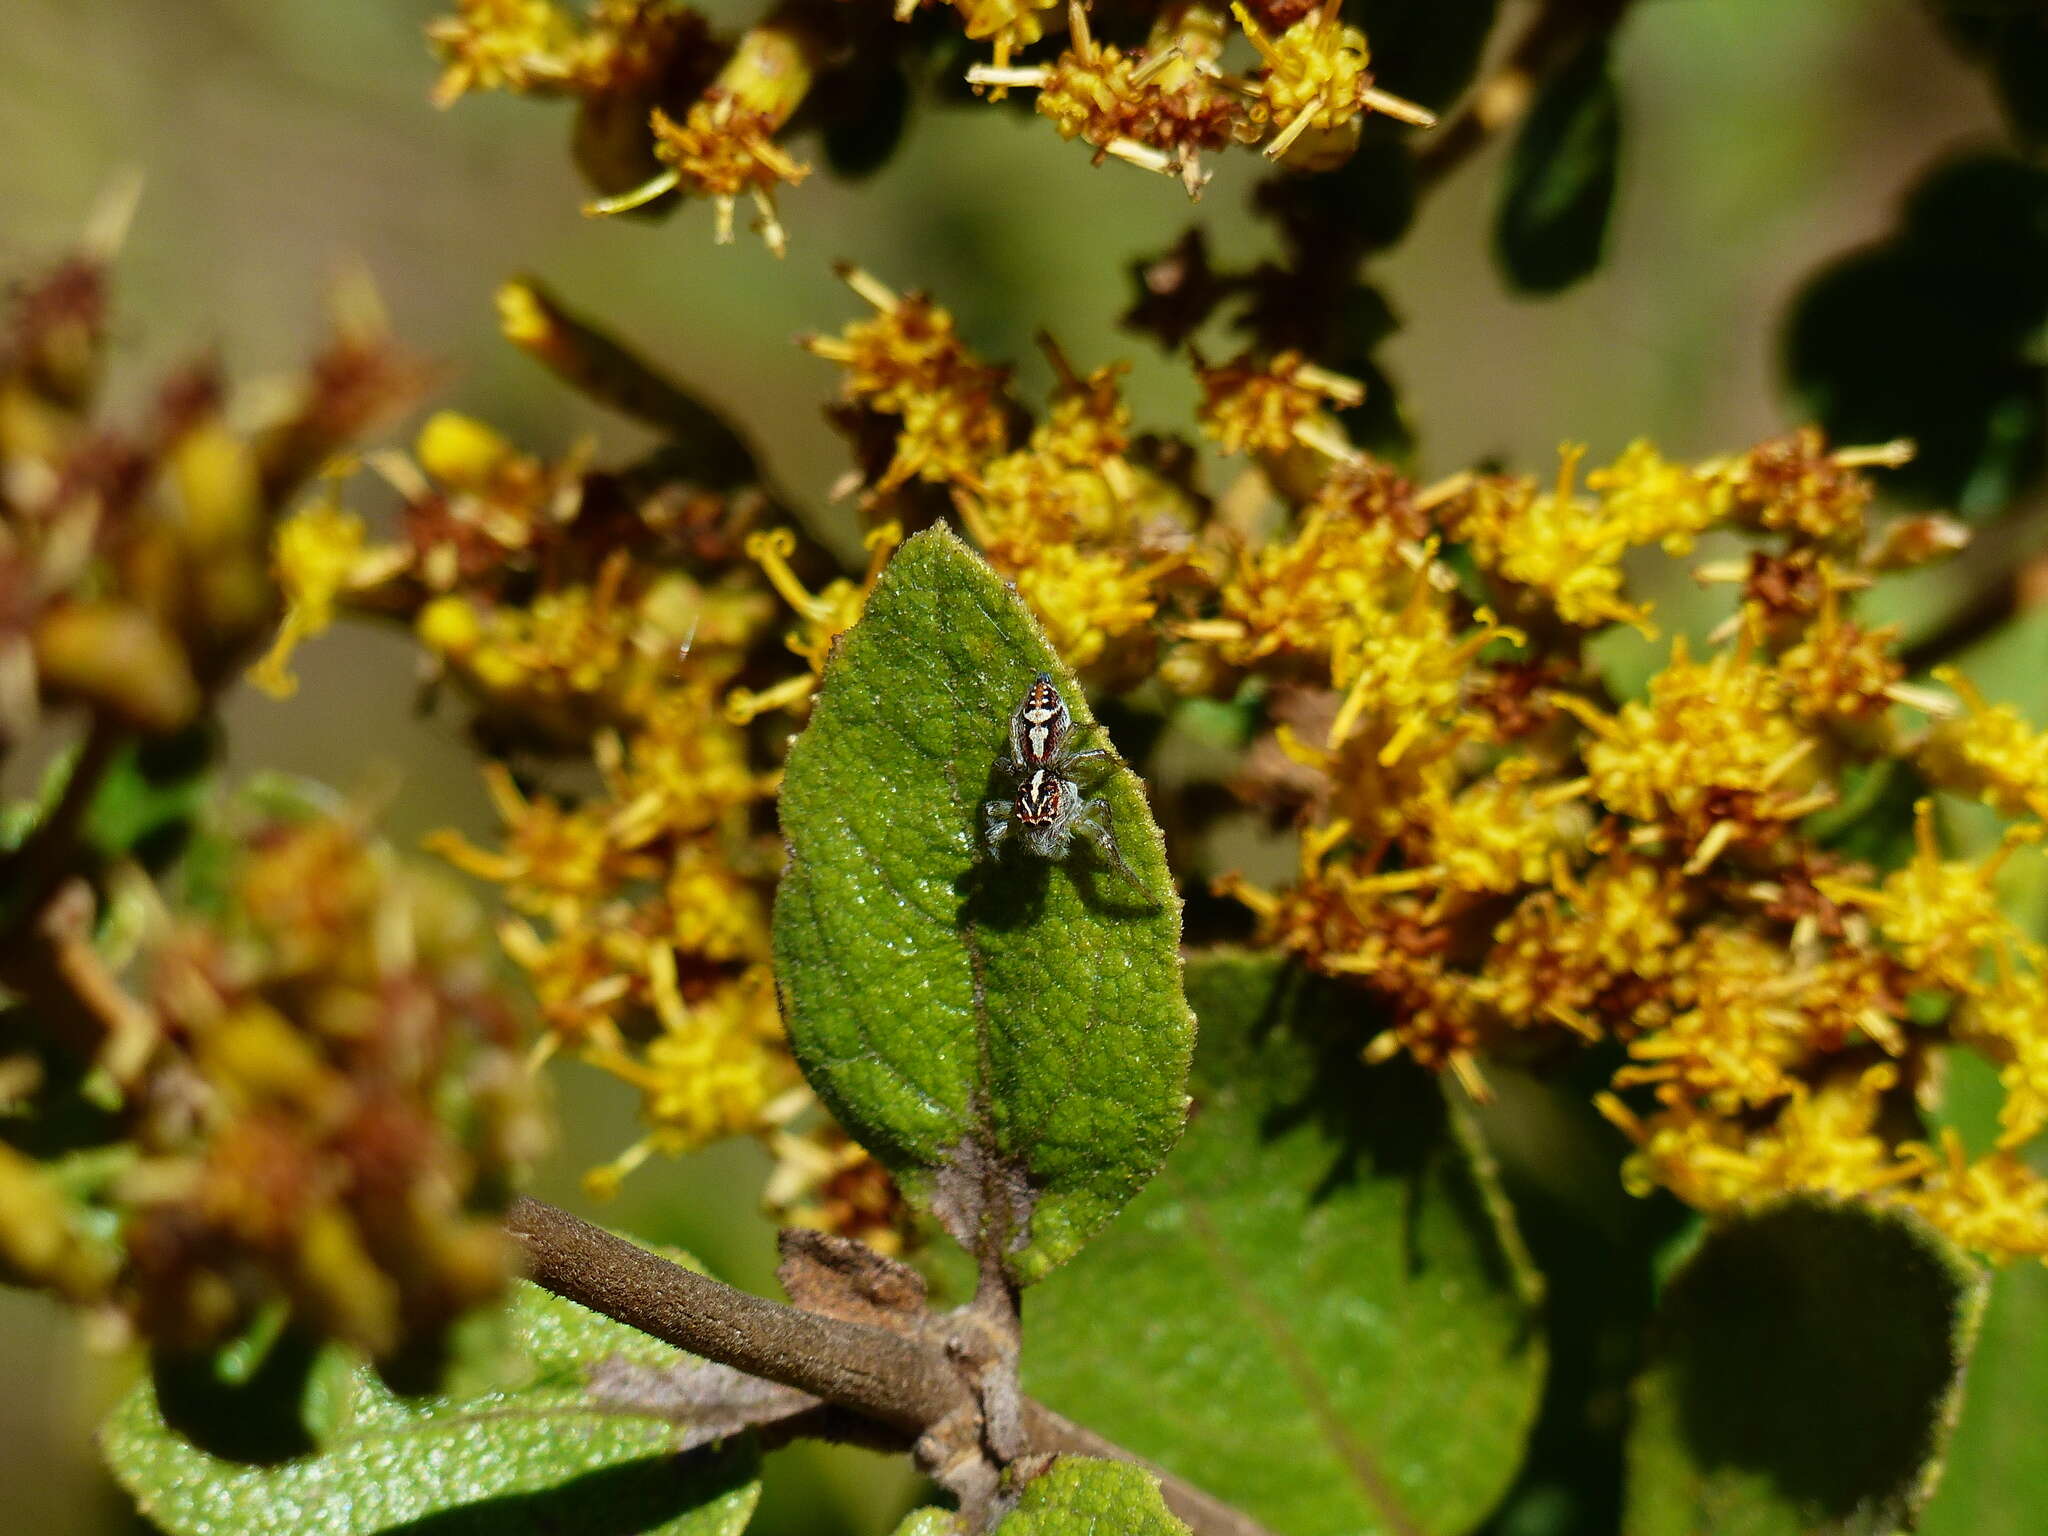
(1083, 1497)
(526, 1453)
(1559, 192)
(1935, 335)
(1324, 1257)
(1427, 53)
(1010, 1036)
(865, 110)
(1806, 1371)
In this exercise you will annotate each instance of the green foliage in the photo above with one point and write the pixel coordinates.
(1325, 1256)
(1084, 1497)
(149, 801)
(1994, 1479)
(1009, 1037)
(1427, 53)
(1934, 335)
(1559, 193)
(520, 1451)
(1807, 1366)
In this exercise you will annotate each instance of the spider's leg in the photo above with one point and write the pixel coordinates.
(1093, 754)
(995, 823)
(1093, 818)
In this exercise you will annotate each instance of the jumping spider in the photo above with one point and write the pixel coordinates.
(1049, 807)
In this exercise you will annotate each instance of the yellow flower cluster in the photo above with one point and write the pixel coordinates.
(583, 626)
(1161, 106)
(1094, 537)
(1498, 849)
(296, 1142)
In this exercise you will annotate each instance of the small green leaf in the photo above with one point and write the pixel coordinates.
(1080, 1496)
(151, 796)
(1559, 192)
(929, 1522)
(1324, 1257)
(1806, 1370)
(526, 1454)
(1009, 1037)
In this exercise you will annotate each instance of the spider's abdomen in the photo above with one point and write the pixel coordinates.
(1038, 799)
(1041, 723)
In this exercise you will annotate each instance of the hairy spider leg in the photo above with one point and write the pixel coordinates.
(1092, 818)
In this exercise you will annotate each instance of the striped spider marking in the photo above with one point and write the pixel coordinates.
(1049, 807)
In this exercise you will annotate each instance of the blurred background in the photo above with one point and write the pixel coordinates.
(284, 141)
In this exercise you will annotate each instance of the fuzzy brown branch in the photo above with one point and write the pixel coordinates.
(896, 1381)
(1503, 98)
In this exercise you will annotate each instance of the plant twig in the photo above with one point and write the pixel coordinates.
(1504, 97)
(881, 1374)
(892, 1379)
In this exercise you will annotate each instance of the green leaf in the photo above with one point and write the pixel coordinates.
(1325, 1257)
(526, 1453)
(1080, 1496)
(929, 1522)
(1427, 53)
(1559, 191)
(151, 796)
(1935, 335)
(1807, 1364)
(1995, 1481)
(1009, 1037)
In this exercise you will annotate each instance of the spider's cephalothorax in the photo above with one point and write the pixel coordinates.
(1049, 807)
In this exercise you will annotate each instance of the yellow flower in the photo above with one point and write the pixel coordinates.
(1651, 500)
(717, 1067)
(1315, 77)
(1559, 546)
(522, 45)
(1997, 1205)
(1943, 916)
(552, 855)
(1270, 408)
(320, 554)
(1349, 554)
(1739, 1031)
(1794, 484)
(1592, 952)
(908, 363)
(1990, 752)
(2009, 1022)
(827, 615)
(1713, 756)
(1824, 1141)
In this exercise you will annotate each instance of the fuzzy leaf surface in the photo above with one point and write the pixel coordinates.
(1080, 1496)
(1325, 1257)
(1806, 1373)
(523, 1452)
(1009, 1037)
